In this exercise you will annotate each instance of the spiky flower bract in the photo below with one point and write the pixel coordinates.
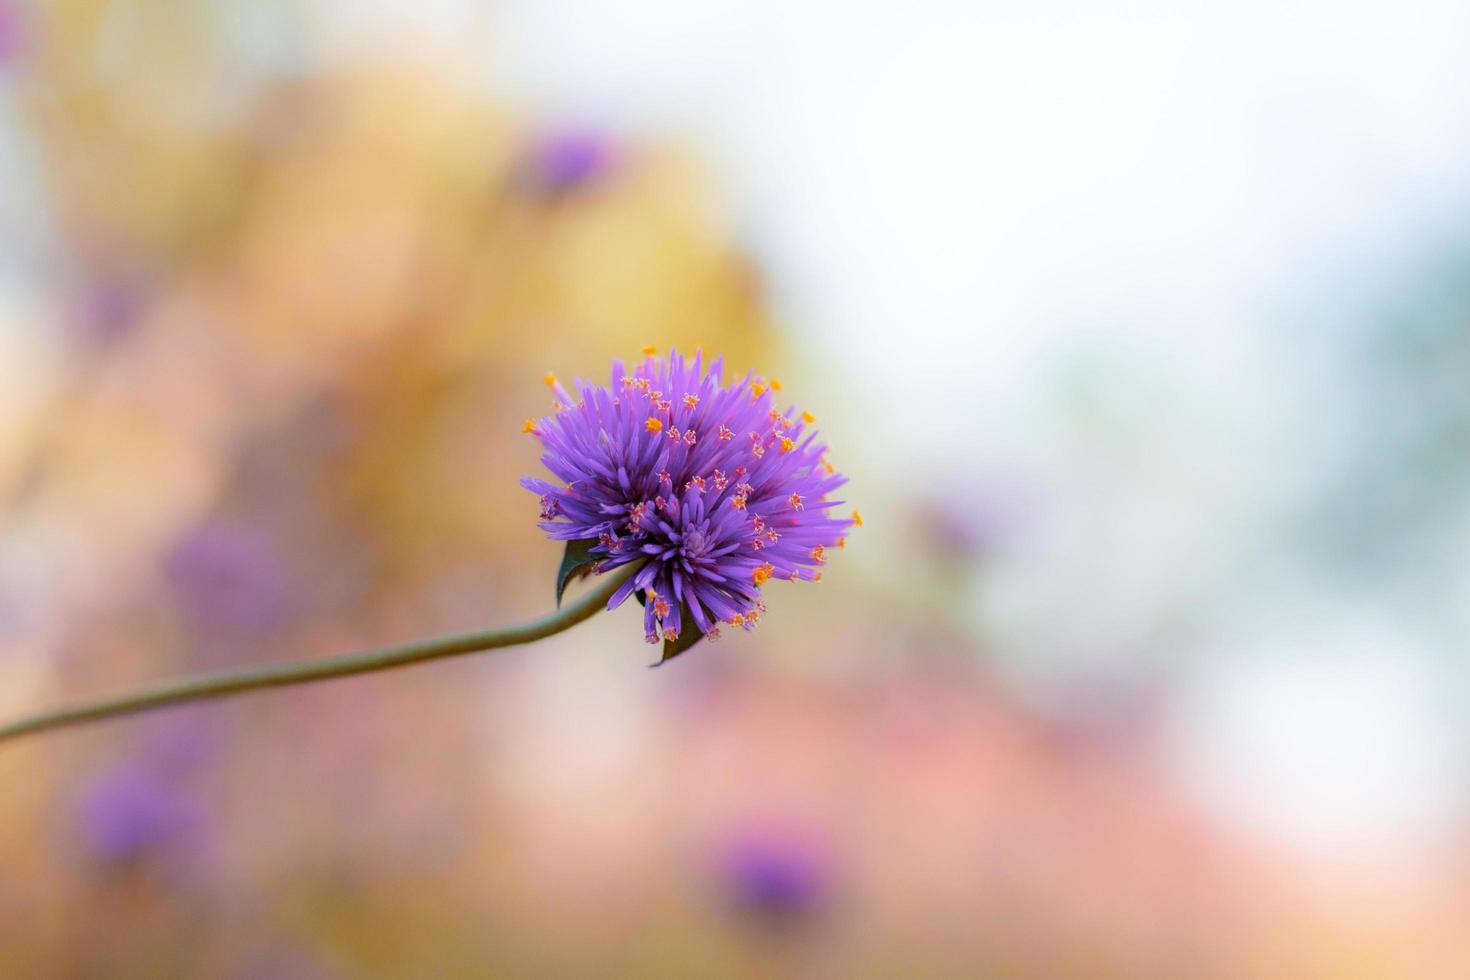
(716, 488)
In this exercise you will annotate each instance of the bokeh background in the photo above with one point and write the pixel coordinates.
(1142, 328)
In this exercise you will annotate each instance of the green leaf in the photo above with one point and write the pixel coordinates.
(575, 563)
(688, 636)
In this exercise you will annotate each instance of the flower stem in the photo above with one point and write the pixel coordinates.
(226, 683)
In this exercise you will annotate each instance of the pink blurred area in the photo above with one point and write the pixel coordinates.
(264, 401)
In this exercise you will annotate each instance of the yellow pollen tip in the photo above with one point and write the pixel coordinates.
(787, 444)
(653, 424)
(691, 400)
(549, 380)
(761, 574)
(808, 417)
(530, 426)
(757, 389)
(775, 384)
(857, 518)
(650, 350)
(817, 577)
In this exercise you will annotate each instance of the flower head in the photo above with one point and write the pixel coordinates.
(648, 471)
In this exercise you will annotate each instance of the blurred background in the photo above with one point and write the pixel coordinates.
(1143, 330)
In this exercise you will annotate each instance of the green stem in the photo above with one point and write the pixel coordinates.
(231, 682)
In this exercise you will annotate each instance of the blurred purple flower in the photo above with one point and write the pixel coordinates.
(12, 31)
(227, 575)
(133, 810)
(571, 159)
(954, 532)
(959, 530)
(715, 489)
(110, 307)
(777, 874)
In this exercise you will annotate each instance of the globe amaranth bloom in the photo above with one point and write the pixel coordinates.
(716, 488)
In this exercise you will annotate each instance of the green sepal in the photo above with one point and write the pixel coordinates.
(575, 563)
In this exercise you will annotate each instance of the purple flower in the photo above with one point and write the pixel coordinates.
(228, 575)
(110, 306)
(134, 809)
(568, 160)
(960, 531)
(12, 31)
(776, 874)
(715, 488)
